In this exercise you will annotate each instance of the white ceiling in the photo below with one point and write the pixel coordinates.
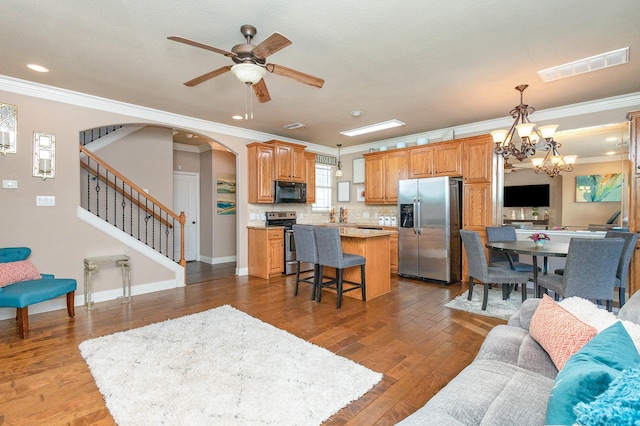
(432, 64)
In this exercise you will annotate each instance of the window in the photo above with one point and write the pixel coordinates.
(323, 188)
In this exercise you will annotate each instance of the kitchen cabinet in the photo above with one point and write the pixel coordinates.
(421, 162)
(289, 161)
(383, 170)
(447, 159)
(476, 206)
(310, 167)
(260, 173)
(266, 254)
(478, 159)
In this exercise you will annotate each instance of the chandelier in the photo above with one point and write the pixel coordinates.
(529, 135)
(553, 163)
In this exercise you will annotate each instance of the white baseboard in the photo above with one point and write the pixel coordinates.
(60, 303)
(216, 260)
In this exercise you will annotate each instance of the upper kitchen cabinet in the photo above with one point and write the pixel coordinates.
(383, 170)
(477, 159)
(260, 165)
(310, 166)
(447, 159)
(289, 161)
(421, 162)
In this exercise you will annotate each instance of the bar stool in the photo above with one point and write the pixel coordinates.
(330, 254)
(306, 251)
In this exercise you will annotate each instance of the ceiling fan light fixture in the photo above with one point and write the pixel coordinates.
(248, 73)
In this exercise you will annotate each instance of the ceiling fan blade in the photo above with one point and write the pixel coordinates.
(201, 45)
(296, 75)
(207, 76)
(261, 91)
(271, 45)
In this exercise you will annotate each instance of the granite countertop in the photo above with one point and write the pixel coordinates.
(364, 233)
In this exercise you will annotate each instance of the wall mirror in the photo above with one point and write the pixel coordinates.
(8, 128)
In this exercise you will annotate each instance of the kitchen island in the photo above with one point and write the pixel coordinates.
(374, 245)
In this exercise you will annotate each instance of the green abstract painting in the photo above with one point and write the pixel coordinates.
(599, 188)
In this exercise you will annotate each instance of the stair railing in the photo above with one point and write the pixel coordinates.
(120, 202)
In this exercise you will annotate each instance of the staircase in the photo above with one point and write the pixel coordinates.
(115, 199)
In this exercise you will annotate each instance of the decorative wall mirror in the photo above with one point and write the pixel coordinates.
(8, 128)
(44, 155)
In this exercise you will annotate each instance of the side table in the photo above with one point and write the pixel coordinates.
(91, 265)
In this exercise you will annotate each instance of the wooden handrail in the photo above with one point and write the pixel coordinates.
(180, 218)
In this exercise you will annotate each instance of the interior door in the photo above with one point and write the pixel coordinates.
(186, 199)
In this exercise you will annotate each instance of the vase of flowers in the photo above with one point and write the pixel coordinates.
(539, 238)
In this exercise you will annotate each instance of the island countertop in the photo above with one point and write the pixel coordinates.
(364, 233)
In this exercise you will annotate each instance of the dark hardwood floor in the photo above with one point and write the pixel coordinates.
(408, 335)
(198, 272)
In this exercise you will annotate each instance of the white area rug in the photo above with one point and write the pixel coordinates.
(496, 307)
(221, 367)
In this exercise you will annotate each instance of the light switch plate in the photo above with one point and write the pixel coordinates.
(45, 200)
(9, 184)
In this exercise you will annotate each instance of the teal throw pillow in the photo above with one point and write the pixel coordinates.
(618, 405)
(590, 371)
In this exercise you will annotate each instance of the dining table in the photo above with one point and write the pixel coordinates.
(530, 248)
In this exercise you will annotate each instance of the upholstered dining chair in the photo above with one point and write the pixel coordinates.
(629, 246)
(306, 251)
(630, 240)
(480, 270)
(330, 254)
(503, 258)
(589, 271)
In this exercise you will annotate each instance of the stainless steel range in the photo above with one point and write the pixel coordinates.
(287, 219)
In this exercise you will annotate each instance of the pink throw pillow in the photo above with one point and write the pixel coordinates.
(558, 331)
(13, 272)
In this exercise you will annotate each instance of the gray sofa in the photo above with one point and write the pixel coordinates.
(509, 381)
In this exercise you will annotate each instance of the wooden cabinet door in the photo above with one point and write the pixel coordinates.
(421, 162)
(477, 154)
(260, 161)
(395, 169)
(393, 253)
(276, 252)
(447, 159)
(283, 162)
(299, 165)
(310, 179)
(374, 179)
(476, 206)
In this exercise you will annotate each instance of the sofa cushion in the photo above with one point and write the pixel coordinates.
(13, 254)
(618, 405)
(589, 372)
(522, 318)
(13, 272)
(25, 293)
(558, 331)
(514, 345)
(487, 392)
(630, 311)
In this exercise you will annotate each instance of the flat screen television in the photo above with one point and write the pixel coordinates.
(526, 196)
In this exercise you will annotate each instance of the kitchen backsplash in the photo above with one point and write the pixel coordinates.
(356, 213)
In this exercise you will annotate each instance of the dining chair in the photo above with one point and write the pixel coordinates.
(306, 251)
(480, 270)
(589, 272)
(330, 254)
(503, 258)
(630, 240)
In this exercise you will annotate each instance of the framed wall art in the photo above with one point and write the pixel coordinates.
(599, 188)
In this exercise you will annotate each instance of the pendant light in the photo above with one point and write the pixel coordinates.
(339, 169)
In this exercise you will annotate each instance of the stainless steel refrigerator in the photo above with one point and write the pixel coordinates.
(430, 214)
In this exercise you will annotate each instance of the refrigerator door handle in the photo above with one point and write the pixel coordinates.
(418, 219)
(415, 224)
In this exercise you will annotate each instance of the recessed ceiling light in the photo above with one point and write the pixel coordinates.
(356, 113)
(611, 153)
(373, 127)
(581, 66)
(611, 139)
(293, 126)
(37, 68)
(237, 117)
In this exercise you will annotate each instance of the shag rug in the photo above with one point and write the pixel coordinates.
(496, 307)
(223, 367)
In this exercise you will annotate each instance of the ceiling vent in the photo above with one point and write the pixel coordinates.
(293, 126)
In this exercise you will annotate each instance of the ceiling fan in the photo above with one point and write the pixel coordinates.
(250, 62)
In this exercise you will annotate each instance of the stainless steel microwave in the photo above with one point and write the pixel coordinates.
(290, 192)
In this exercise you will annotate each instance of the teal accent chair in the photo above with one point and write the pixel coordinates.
(24, 293)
